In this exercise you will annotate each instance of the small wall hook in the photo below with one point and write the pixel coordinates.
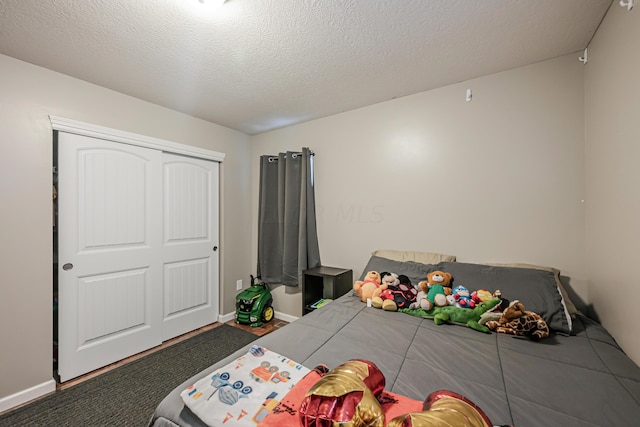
(584, 58)
(628, 4)
(469, 95)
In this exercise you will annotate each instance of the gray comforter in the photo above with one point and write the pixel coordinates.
(579, 380)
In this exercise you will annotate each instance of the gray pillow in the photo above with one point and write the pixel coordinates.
(536, 289)
(413, 270)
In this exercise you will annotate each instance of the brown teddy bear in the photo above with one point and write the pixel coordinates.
(433, 291)
(370, 287)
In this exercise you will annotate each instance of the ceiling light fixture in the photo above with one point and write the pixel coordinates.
(212, 3)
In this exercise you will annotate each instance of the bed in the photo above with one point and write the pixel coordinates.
(578, 376)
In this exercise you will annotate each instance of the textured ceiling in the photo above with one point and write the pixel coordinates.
(256, 65)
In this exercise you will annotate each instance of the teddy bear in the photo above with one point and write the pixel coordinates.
(515, 320)
(462, 296)
(433, 291)
(370, 287)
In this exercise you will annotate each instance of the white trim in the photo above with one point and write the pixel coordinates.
(27, 395)
(285, 317)
(224, 318)
(95, 131)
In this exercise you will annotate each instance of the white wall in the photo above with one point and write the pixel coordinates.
(498, 179)
(613, 175)
(29, 95)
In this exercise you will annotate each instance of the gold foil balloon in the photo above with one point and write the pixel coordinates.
(346, 396)
(444, 409)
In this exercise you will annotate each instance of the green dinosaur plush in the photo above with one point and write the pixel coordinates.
(457, 315)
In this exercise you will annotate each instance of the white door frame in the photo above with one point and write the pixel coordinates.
(95, 131)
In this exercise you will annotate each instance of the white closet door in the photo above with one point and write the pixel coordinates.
(110, 252)
(190, 252)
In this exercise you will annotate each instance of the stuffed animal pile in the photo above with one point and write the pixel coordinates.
(435, 298)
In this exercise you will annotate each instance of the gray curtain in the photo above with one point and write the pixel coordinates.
(287, 234)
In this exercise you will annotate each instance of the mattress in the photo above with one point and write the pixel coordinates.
(578, 376)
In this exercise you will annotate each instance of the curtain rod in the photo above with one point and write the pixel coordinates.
(293, 154)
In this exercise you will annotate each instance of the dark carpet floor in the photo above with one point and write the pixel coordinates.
(128, 395)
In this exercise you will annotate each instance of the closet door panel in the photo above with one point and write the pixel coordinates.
(190, 255)
(186, 285)
(110, 252)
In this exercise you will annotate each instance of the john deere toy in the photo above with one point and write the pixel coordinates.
(254, 304)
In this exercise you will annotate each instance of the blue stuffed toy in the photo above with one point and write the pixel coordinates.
(463, 297)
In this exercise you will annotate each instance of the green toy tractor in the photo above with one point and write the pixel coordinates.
(254, 304)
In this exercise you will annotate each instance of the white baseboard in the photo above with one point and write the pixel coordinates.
(286, 317)
(27, 395)
(223, 318)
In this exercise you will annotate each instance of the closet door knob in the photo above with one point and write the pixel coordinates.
(215, 248)
(68, 266)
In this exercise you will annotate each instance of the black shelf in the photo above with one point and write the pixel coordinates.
(324, 282)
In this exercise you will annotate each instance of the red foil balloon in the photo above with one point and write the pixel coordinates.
(346, 396)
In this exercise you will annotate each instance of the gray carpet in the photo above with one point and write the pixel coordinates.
(128, 395)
